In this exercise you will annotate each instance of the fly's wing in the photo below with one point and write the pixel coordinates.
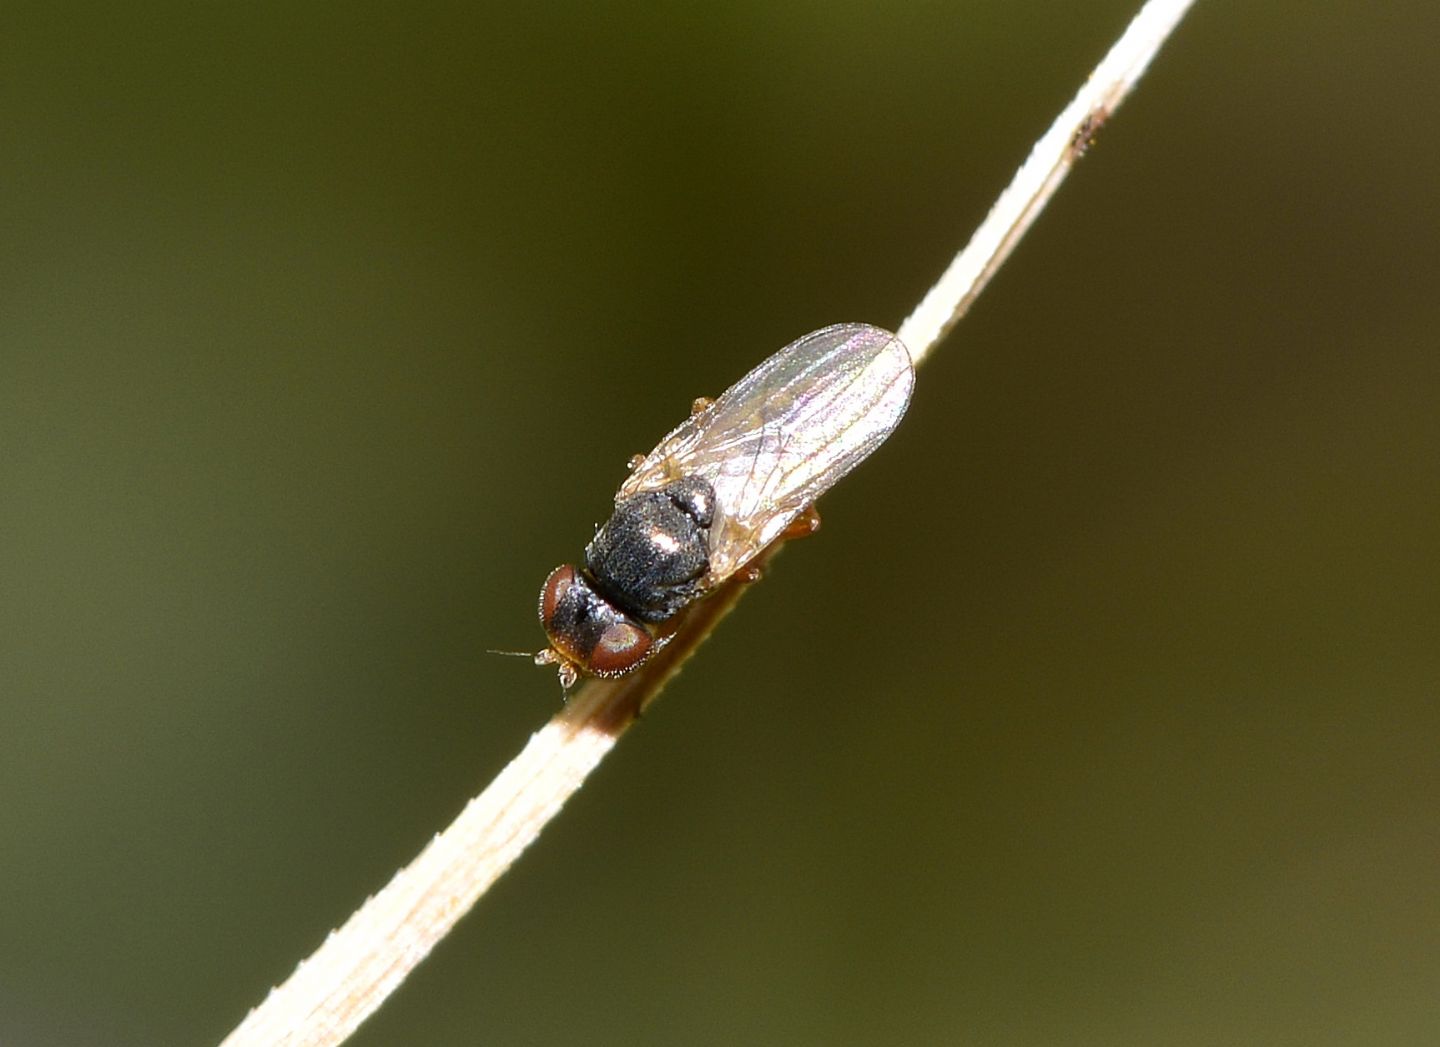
(780, 437)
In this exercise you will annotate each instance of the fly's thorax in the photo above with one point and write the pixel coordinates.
(648, 558)
(586, 630)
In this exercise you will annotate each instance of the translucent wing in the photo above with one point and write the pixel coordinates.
(780, 437)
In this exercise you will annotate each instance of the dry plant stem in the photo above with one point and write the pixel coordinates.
(358, 966)
(1038, 178)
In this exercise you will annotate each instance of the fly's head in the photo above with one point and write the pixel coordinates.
(587, 633)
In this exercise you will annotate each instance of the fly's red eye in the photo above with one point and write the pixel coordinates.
(622, 646)
(554, 590)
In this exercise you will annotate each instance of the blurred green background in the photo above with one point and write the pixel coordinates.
(1102, 711)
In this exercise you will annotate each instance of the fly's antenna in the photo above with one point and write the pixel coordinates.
(568, 675)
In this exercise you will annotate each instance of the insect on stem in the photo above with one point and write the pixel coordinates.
(742, 471)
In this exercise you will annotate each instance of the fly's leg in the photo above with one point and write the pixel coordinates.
(697, 405)
(803, 526)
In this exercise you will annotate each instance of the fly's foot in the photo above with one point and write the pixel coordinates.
(803, 526)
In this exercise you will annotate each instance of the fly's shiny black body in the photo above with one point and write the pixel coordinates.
(648, 558)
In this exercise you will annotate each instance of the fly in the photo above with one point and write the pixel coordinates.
(723, 485)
